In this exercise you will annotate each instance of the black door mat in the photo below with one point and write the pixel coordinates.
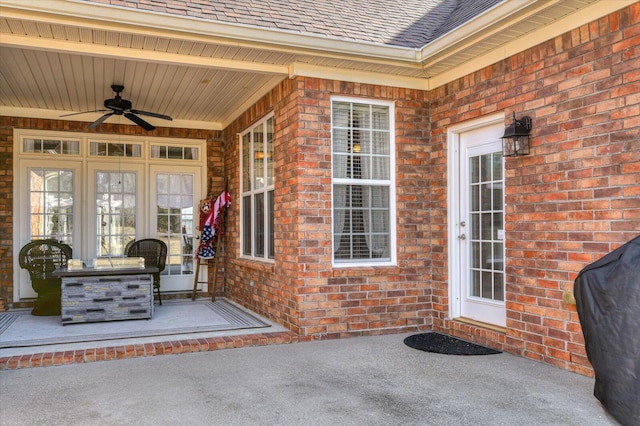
(443, 344)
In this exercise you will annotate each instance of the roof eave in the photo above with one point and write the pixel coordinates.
(485, 24)
(121, 19)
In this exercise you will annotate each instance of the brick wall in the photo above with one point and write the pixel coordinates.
(271, 295)
(215, 170)
(574, 199)
(6, 216)
(577, 196)
(302, 290)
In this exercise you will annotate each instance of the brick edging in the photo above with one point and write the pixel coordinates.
(109, 353)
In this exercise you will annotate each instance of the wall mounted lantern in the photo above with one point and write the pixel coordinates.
(515, 141)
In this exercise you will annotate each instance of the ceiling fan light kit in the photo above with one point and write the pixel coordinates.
(119, 106)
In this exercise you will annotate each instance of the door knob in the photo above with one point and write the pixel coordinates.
(462, 237)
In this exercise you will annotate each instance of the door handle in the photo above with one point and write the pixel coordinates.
(462, 237)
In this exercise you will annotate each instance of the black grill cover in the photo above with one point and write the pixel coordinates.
(608, 302)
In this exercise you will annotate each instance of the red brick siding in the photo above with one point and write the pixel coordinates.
(302, 290)
(215, 170)
(570, 202)
(274, 285)
(577, 196)
(6, 216)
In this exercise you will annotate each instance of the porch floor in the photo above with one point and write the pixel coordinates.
(178, 326)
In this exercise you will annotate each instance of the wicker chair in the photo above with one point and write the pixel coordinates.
(40, 258)
(154, 253)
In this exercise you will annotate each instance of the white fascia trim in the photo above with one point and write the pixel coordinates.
(355, 76)
(53, 114)
(90, 15)
(467, 34)
(548, 32)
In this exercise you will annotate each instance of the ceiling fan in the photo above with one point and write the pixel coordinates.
(119, 106)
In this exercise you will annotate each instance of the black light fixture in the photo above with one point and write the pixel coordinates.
(515, 141)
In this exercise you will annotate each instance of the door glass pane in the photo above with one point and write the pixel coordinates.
(174, 220)
(487, 218)
(487, 285)
(497, 166)
(475, 226)
(485, 197)
(474, 169)
(51, 204)
(475, 283)
(115, 212)
(498, 286)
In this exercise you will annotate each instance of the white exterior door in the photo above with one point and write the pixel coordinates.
(116, 207)
(172, 196)
(478, 231)
(49, 208)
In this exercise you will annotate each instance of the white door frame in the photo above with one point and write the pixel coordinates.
(94, 166)
(178, 282)
(453, 214)
(22, 288)
(84, 165)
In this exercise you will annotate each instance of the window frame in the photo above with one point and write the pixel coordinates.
(253, 193)
(389, 183)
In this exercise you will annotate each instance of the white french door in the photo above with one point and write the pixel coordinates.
(478, 232)
(98, 195)
(116, 208)
(49, 208)
(172, 197)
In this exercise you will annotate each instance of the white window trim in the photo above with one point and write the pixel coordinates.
(391, 182)
(251, 193)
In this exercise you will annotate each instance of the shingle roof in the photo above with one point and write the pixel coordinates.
(404, 23)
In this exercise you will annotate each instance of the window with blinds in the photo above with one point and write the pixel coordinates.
(257, 164)
(363, 211)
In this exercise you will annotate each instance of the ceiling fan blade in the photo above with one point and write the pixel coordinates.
(99, 121)
(139, 121)
(151, 114)
(83, 112)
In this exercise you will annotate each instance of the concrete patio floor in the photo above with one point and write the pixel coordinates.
(357, 381)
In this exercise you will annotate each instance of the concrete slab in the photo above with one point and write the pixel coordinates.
(357, 381)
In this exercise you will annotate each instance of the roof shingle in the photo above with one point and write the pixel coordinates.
(403, 23)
